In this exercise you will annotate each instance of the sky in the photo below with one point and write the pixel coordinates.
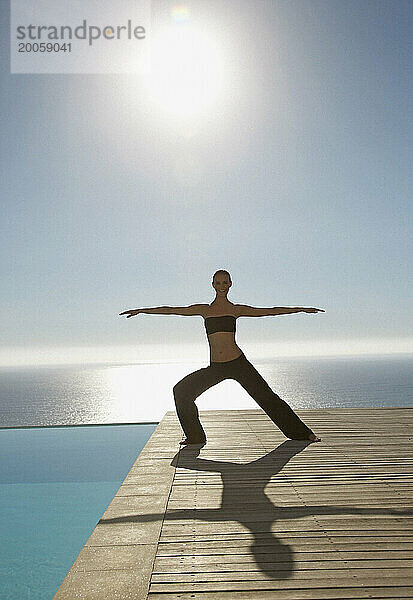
(291, 168)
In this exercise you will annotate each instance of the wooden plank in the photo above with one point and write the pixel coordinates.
(385, 548)
(276, 572)
(292, 582)
(328, 593)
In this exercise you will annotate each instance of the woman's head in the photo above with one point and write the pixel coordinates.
(221, 282)
(223, 273)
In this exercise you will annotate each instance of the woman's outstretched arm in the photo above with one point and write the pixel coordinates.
(243, 310)
(193, 309)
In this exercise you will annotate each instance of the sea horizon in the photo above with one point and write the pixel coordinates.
(141, 392)
(188, 352)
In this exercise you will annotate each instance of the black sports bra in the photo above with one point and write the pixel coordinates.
(224, 323)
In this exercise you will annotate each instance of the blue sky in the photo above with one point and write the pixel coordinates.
(297, 179)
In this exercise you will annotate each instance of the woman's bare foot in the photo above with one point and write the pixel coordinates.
(313, 438)
(188, 443)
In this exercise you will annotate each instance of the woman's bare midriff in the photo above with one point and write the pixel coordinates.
(222, 346)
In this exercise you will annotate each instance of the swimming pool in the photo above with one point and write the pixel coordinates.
(55, 483)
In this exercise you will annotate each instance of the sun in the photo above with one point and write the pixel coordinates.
(186, 74)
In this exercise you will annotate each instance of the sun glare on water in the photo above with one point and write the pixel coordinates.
(186, 71)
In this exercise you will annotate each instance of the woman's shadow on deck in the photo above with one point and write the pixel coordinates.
(244, 501)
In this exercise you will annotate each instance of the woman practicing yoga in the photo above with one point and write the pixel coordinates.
(227, 361)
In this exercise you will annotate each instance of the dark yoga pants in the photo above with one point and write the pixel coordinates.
(190, 387)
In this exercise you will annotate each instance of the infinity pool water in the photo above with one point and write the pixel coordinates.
(55, 484)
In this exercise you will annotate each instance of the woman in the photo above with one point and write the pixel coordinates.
(227, 361)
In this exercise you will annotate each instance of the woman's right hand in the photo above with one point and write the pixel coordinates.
(130, 313)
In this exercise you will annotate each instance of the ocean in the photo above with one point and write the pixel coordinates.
(142, 393)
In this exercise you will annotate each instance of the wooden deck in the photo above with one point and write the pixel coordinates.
(253, 516)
